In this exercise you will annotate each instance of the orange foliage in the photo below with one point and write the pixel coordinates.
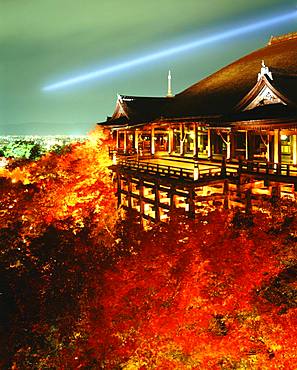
(214, 293)
(191, 298)
(74, 185)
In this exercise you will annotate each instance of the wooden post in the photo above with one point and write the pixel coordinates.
(228, 146)
(248, 201)
(141, 193)
(196, 169)
(247, 145)
(226, 194)
(171, 195)
(191, 202)
(268, 148)
(196, 148)
(129, 192)
(294, 149)
(125, 141)
(223, 168)
(199, 140)
(136, 141)
(209, 148)
(153, 140)
(117, 140)
(182, 139)
(170, 140)
(277, 146)
(119, 189)
(157, 202)
(233, 145)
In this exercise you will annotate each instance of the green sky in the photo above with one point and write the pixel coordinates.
(45, 41)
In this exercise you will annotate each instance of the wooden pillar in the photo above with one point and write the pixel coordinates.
(247, 145)
(196, 148)
(228, 143)
(119, 195)
(141, 194)
(136, 141)
(153, 140)
(268, 148)
(294, 149)
(191, 202)
(171, 195)
(129, 193)
(196, 169)
(182, 139)
(209, 148)
(157, 202)
(170, 140)
(277, 146)
(226, 194)
(248, 201)
(117, 139)
(125, 141)
(233, 144)
(199, 140)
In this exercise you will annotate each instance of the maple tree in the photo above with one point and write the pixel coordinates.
(82, 288)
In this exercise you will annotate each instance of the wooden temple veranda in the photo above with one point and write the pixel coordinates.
(229, 139)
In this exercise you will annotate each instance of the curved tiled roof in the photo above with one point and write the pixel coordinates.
(221, 91)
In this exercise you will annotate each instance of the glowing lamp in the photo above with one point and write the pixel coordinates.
(284, 137)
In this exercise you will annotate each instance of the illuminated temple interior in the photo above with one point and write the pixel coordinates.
(242, 117)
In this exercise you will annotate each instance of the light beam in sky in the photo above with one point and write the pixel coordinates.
(173, 50)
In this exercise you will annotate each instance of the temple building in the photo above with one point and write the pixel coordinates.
(247, 109)
(244, 113)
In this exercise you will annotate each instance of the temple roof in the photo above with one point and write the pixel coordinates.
(221, 92)
(137, 109)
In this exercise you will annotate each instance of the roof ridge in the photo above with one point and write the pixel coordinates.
(282, 38)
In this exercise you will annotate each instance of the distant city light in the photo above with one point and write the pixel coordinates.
(173, 50)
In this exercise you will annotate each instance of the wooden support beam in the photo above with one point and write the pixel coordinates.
(182, 139)
(247, 145)
(153, 140)
(172, 196)
(157, 202)
(129, 192)
(141, 196)
(232, 144)
(170, 140)
(226, 194)
(136, 133)
(209, 145)
(125, 141)
(119, 195)
(277, 146)
(191, 202)
(268, 148)
(294, 149)
(228, 144)
(117, 139)
(248, 201)
(196, 147)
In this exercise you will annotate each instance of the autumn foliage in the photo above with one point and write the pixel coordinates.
(85, 289)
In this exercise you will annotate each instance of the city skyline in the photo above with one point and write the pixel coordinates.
(41, 45)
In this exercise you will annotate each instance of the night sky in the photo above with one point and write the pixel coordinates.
(46, 41)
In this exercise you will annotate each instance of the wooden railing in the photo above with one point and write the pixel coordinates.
(169, 171)
(214, 171)
(268, 168)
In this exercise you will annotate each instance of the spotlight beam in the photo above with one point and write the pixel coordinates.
(172, 51)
